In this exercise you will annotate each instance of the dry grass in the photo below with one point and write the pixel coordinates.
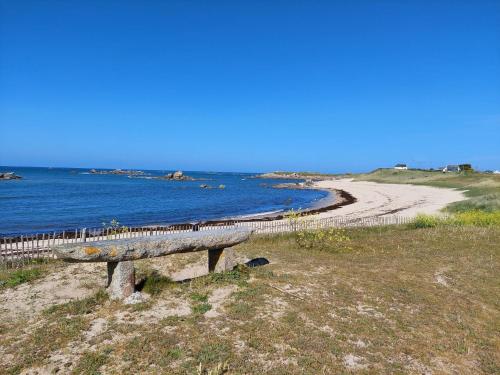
(399, 301)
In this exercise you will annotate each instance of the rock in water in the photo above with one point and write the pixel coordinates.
(9, 176)
(178, 175)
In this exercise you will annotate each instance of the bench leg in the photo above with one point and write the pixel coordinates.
(121, 279)
(221, 260)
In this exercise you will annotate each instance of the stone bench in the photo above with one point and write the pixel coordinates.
(120, 253)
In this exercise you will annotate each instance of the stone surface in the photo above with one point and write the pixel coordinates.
(121, 279)
(178, 176)
(220, 260)
(148, 247)
(136, 297)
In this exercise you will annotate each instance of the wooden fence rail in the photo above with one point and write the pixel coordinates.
(20, 250)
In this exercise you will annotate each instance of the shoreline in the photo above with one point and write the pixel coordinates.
(341, 198)
(346, 198)
(335, 199)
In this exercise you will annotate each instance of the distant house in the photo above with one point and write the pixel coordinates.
(451, 168)
(401, 166)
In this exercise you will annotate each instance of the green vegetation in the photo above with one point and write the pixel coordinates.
(154, 283)
(114, 227)
(10, 278)
(80, 306)
(482, 189)
(331, 239)
(91, 362)
(402, 299)
(473, 217)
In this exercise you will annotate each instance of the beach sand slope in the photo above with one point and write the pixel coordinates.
(376, 199)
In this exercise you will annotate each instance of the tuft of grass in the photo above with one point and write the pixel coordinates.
(212, 353)
(331, 239)
(201, 308)
(91, 362)
(201, 305)
(426, 221)
(199, 297)
(154, 283)
(239, 275)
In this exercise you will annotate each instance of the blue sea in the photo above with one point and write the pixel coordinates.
(56, 199)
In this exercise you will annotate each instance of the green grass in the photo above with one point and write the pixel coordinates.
(154, 283)
(91, 362)
(10, 278)
(473, 217)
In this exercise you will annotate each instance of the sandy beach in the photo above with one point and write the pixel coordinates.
(376, 199)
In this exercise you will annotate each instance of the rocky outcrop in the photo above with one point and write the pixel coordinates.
(9, 176)
(293, 176)
(177, 176)
(282, 175)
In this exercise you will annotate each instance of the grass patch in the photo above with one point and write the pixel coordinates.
(478, 218)
(487, 203)
(13, 278)
(201, 308)
(201, 305)
(79, 307)
(43, 340)
(154, 283)
(427, 221)
(474, 218)
(91, 362)
(237, 276)
(199, 297)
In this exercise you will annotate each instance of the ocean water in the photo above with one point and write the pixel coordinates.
(67, 198)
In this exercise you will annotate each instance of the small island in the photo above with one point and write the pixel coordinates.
(177, 176)
(9, 176)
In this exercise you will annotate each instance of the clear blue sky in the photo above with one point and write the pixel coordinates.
(249, 85)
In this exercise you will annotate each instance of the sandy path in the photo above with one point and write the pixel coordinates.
(375, 199)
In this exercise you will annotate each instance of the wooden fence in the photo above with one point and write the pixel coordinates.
(20, 250)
